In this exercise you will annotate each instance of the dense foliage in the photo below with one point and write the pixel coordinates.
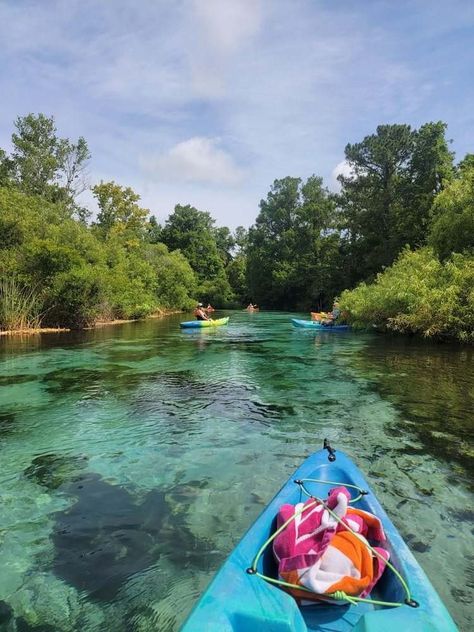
(418, 294)
(452, 228)
(293, 249)
(428, 292)
(385, 202)
(400, 232)
(207, 249)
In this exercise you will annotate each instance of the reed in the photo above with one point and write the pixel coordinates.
(20, 306)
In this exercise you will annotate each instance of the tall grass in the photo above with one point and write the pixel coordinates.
(20, 307)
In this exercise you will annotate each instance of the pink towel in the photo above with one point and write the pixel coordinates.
(317, 552)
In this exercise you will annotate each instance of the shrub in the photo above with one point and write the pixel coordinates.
(418, 294)
(77, 298)
(175, 281)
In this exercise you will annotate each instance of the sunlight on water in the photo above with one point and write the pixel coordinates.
(134, 457)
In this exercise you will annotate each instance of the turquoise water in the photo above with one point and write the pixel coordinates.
(134, 457)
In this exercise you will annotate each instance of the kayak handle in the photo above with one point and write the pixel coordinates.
(331, 451)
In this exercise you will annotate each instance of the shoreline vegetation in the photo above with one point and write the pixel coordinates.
(97, 325)
(395, 244)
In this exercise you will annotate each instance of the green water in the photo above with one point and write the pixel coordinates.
(134, 457)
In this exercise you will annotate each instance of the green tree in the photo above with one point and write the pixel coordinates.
(119, 212)
(466, 163)
(44, 164)
(192, 233)
(241, 238)
(452, 229)
(236, 274)
(34, 154)
(153, 230)
(6, 169)
(175, 279)
(385, 201)
(225, 243)
(291, 247)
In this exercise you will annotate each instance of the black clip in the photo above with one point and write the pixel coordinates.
(331, 451)
(250, 571)
(412, 603)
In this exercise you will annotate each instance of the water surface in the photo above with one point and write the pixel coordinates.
(134, 457)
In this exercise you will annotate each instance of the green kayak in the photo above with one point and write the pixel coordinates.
(191, 324)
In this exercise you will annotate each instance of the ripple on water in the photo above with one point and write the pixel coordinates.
(148, 452)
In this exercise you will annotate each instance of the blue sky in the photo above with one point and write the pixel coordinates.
(206, 102)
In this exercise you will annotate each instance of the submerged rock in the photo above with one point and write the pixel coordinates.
(105, 537)
(53, 470)
(108, 534)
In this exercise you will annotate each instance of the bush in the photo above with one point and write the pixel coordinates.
(77, 298)
(418, 294)
(175, 281)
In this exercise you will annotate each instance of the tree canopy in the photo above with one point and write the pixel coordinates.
(292, 248)
(385, 202)
(400, 232)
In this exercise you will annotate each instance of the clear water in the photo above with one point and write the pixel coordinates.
(134, 457)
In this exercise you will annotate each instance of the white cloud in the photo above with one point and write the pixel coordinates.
(226, 25)
(220, 30)
(197, 159)
(343, 168)
(284, 84)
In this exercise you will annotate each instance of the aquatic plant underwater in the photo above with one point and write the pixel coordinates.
(133, 460)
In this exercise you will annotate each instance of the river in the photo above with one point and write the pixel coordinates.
(133, 457)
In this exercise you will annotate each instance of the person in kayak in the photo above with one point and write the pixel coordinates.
(332, 316)
(200, 313)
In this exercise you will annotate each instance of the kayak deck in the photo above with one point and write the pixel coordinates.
(192, 324)
(236, 601)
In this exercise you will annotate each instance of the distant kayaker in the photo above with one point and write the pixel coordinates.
(200, 313)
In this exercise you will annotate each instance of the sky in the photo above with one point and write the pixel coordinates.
(207, 102)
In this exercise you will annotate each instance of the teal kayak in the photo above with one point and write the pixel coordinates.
(191, 324)
(314, 324)
(239, 599)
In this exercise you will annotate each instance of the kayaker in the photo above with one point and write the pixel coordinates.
(209, 308)
(332, 316)
(200, 313)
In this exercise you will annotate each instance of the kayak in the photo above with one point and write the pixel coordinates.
(314, 324)
(239, 599)
(204, 323)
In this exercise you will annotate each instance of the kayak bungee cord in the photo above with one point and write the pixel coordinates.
(302, 481)
(338, 595)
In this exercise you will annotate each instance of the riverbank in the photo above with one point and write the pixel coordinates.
(100, 323)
